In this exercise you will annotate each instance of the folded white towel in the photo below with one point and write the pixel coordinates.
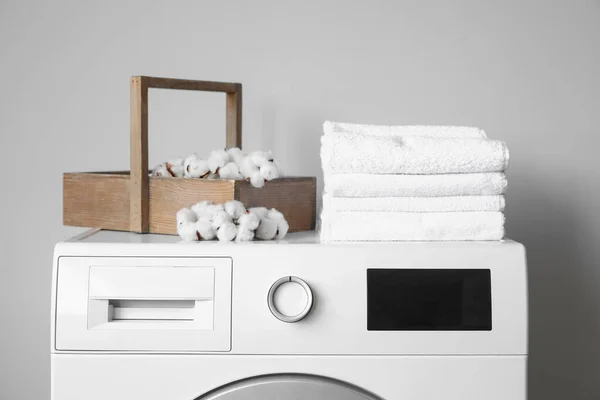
(414, 204)
(385, 226)
(351, 152)
(367, 185)
(330, 127)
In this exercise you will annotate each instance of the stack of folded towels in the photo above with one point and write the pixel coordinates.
(429, 183)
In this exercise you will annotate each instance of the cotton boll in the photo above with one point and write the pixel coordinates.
(161, 171)
(187, 231)
(230, 171)
(205, 230)
(186, 215)
(247, 167)
(236, 154)
(267, 229)
(176, 170)
(195, 167)
(203, 209)
(218, 159)
(219, 218)
(244, 234)
(257, 180)
(282, 229)
(260, 158)
(249, 220)
(227, 232)
(269, 171)
(235, 209)
(275, 214)
(261, 212)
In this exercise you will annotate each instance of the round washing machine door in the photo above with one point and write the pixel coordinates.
(289, 387)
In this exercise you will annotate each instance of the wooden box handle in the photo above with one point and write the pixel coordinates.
(139, 197)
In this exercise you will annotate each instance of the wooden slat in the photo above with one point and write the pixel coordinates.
(186, 84)
(296, 198)
(95, 200)
(234, 119)
(169, 195)
(139, 214)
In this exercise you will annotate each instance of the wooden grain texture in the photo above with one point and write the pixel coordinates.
(96, 200)
(169, 195)
(186, 84)
(139, 202)
(295, 197)
(233, 121)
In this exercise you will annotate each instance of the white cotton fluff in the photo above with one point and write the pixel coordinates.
(244, 234)
(161, 171)
(230, 171)
(235, 209)
(247, 167)
(249, 220)
(236, 154)
(257, 180)
(175, 167)
(187, 231)
(186, 215)
(269, 171)
(261, 212)
(195, 167)
(204, 229)
(275, 214)
(218, 159)
(219, 218)
(227, 232)
(261, 158)
(203, 209)
(282, 229)
(267, 229)
(282, 224)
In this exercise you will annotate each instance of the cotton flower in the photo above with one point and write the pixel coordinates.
(235, 209)
(175, 167)
(269, 171)
(249, 220)
(244, 234)
(161, 171)
(227, 232)
(230, 171)
(205, 230)
(282, 229)
(267, 229)
(203, 209)
(195, 167)
(218, 159)
(261, 158)
(186, 215)
(261, 212)
(257, 180)
(236, 154)
(247, 167)
(219, 218)
(187, 231)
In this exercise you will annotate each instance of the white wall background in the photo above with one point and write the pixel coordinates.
(526, 71)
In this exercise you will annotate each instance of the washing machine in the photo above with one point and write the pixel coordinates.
(147, 317)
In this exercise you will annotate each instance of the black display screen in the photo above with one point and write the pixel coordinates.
(429, 300)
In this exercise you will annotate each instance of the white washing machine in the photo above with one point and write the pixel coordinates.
(145, 317)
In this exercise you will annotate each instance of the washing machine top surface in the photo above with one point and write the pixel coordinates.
(307, 237)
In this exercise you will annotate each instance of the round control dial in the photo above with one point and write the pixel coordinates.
(290, 299)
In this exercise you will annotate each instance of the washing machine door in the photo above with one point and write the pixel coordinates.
(289, 387)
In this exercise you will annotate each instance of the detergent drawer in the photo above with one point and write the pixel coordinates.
(143, 304)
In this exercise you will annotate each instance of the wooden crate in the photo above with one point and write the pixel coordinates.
(133, 201)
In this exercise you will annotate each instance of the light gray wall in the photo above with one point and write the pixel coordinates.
(526, 71)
